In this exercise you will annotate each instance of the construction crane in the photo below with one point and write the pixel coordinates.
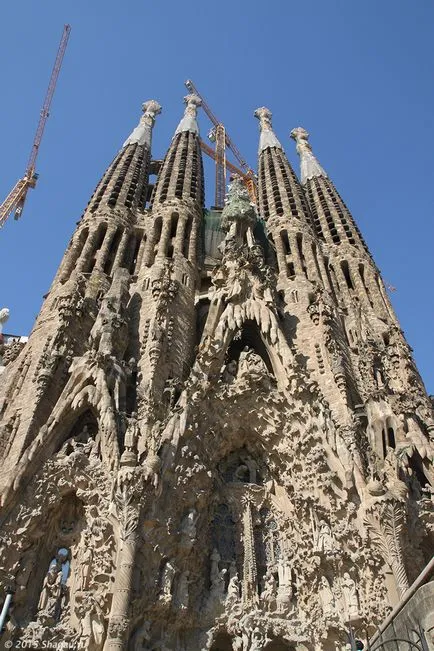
(219, 135)
(14, 202)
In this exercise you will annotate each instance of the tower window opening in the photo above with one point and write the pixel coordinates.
(285, 241)
(291, 270)
(170, 251)
(187, 235)
(391, 437)
(347, 276)
(173, 224)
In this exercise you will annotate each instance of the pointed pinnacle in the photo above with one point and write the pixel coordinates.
(142, 134)
(189, 122)
(267, 138)
(309, 166)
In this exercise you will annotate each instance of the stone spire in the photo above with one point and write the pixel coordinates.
(309, 164)
(268, 137)
(181, 175)
(189, 120)
(142, 134)
(353, 272)
(125, 181)
(283, 206)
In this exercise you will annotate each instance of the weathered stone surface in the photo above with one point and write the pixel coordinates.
(226, 457)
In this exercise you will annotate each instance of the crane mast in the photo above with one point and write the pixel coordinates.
(14, 202)
(222, 140)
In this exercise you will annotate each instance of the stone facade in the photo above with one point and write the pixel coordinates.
(212, 450)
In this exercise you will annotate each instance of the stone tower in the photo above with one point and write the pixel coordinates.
(216, 446)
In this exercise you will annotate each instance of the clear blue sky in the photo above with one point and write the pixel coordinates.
(357, 75)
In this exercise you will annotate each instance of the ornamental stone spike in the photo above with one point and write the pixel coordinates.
(142, 134)
(309, 166)
(268, 137)
(189, 120)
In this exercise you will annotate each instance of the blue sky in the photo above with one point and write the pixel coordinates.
(357, 75)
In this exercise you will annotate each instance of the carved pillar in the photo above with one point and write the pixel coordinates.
(164, 239)
(192, 248)
(128, 508)
(250, 579)
(296, 254)
(83, 259)
(280, 254)
(323, 271)
(311, 264)
(179, 239)
(105, 247)
(121, 250)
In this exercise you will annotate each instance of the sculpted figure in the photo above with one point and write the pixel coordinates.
(327, 598)
(325, 542)
(251, 362)
(284, 592)
(188, 529)
(51, 594)
(167, 581)
(270, 586)
(132, 433)
(4, 316)
(349, 592)
(233, 589)
(230, 372)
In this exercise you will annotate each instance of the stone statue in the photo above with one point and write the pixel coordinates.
(251, 363)
(167, 581)
(230, 372)
(325, 542)
(233, 589)
(4, 316)
(51, 594)
(327, 597)
(188, 529)
(132, 433)
(284, 592)
(270, 587)
(349, 593)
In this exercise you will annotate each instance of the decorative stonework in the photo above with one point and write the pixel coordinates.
(245, 465)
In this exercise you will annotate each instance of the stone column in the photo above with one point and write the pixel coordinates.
(180, 233)
(128, 507)
(312, 270)
(298, 267)
(192, 247)
(87, 250)
(280, 254)
(164, 239)
(250, 579)
(121, 249)
(105, 247)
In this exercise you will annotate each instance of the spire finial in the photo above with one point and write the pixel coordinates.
(143, 132)
(308, 163)
(151, 109)
(189, 121)
(268, 137)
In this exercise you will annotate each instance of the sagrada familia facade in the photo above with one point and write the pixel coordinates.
(215, 437)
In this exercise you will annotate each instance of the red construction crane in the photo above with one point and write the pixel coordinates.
(222, 140)
(14, 202)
